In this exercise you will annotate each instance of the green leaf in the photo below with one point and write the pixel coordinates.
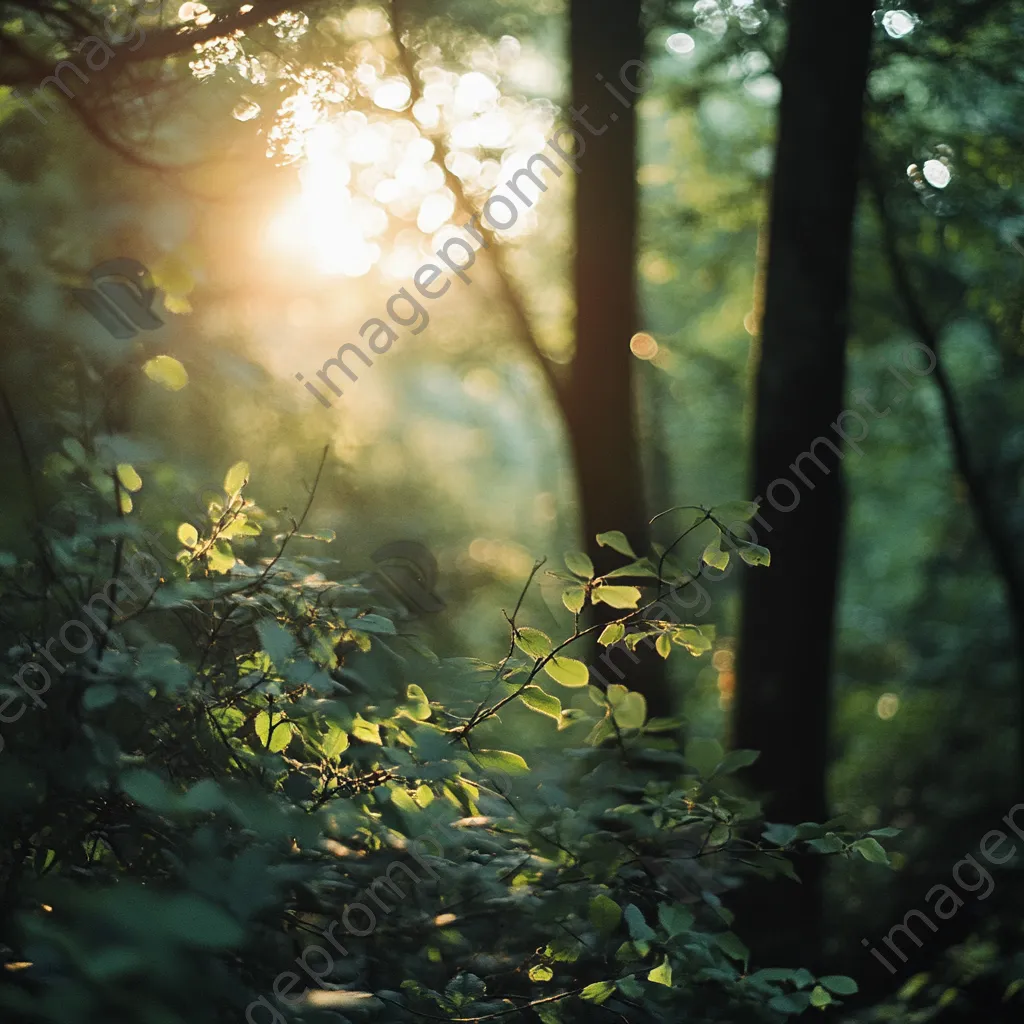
(282, 732)
(541, 701)
(737, 759)
(574, 598)
(819, 997)
(368, 732)
(735, 512)
(639, 929)
(130, 480)
(663, 645)
(886, 833)
(336, 742)
(188, 535)
(541, 973)
(598, 992)
(567, 671)
(147, 788)
(871, 850)
(755, 554)
(839, 984)
(580, 564)
(631, 713)
(605, 914)
(674, 919)
(662, 974)
(236, 478)
(616, 540)
(693, 639)
(503, 760)
(830, 843)
(167, 372)
(791, 1003)
(220, 558)
(704, 755)
(612, 634)
(533, 642)
(772, 974)
(732, 946)
(616, 597)
(780, 834)
(802, 977)
(714, 555)
(641, 567)
(99, 696)
(276, 641)
(420, 709)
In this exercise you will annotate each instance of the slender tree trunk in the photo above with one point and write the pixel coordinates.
(782, 706)
(606, 48)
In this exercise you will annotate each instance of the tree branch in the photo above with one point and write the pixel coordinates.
(495, 249)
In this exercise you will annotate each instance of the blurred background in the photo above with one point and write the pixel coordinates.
(283, 180)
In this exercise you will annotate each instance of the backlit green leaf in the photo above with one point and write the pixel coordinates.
(538, 700)
(616, 540)
(662, 974)
(612, 634)
(533, 642)
(574, 599)
(580, 564)
(567, 671)
(236, 478)
(167, 372)
(616, 597)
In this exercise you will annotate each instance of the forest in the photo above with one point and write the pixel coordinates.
(512, 512)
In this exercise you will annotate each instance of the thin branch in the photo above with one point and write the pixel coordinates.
(496, 250)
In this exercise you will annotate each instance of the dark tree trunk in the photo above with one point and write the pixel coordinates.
(599, 403)
(782, 706)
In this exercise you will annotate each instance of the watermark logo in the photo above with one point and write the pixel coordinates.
(121, 297)
(408, 570)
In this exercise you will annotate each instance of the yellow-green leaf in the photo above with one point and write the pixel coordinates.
(616, 597)
(541, 701)
(533, 642)
(616, 540)
(167, 372)
(598, 992)
(714, 555)
(567, 671)
(541, 973)
(579, 564)
(237, 477)
(188, 535)
(336, 742)
(368, 732)
(631, 712)
(612, 634)
(130, 480)
(574, 598)
(662, 974)
(755, 554)
(819, 997)
(278, 739)
(663, 645)
(220, 558)
(503, 760)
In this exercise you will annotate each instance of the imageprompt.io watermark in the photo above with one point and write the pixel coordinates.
(121, 297)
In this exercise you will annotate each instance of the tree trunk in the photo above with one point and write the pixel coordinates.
(599, 404)
(786, 641)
